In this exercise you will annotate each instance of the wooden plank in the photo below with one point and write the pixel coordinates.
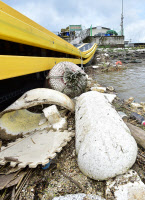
(138, 134)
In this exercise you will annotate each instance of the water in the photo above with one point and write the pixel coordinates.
(127, 83)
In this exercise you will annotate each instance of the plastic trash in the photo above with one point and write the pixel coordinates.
(123, 116)
(118, 63)
(49, 163)
(140, 119)
(46, 166)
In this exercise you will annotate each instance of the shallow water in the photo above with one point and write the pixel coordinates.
(127, 83)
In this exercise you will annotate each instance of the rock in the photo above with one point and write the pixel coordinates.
(79, 196)
(125, 61)
(136, 61)
(107, 64)
(100, 65)
(126, 187)
(142, 103)
(130, 100)
(99, 89)
(104, 145)
(97, 85)
(95, 67)
(98, 59)
(136, 105)
(110, 88)
(106, 55)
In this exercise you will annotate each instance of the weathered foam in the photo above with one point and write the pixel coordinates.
(104, 144)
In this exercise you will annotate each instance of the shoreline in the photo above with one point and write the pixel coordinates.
(63, 176)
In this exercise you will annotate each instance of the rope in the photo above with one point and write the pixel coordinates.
(82, 67)
(54, 77)
(81, 61)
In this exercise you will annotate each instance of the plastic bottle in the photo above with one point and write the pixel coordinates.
(140, 119)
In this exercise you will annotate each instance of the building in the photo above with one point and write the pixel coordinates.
(126, 43)
(139, 45)
(98, 35)
(69, 33)
(99, 31)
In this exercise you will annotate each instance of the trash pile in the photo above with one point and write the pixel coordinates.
(116, 59)
(41, 159)
(103, 62)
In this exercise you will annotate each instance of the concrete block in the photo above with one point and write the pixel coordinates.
(104, 145)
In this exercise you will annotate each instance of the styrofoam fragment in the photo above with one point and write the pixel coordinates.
(41, 96)
(53, 155)
(59, 149)
(62, 124)
(52, 114)
(95, 67)
(110, 97)
(18, 123)
(104, 144)
(125, 187)
(13, 164)
(37, 148)
(42, 121)
(3, 162)
(45, 162)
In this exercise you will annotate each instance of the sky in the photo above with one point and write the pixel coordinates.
(57, 14)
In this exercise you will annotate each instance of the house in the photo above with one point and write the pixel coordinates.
(99, 31)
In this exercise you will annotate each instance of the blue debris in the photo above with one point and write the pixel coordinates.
(47, 165)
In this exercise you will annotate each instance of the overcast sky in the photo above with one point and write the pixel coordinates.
(57, 14)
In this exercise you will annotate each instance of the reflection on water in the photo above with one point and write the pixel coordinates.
(127, 83)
